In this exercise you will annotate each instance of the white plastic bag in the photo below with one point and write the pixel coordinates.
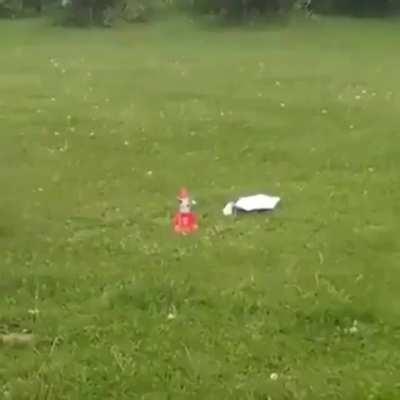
(258, 202)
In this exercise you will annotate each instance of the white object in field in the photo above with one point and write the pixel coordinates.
(228, 209)
(274, 376)
(258, 202)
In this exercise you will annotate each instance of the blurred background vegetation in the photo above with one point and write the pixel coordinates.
(108, 12)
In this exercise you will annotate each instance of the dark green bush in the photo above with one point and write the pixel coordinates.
(19, 8)
(357, 7)
(242, 8)
(102, 12)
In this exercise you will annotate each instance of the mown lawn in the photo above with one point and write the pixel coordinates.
(98, 131)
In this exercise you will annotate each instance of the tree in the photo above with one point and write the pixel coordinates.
(105, 12)
(357, 7)
(15, 8)
(240, 8)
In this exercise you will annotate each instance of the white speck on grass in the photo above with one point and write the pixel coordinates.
(40, 189)
(274, 376)
(56, 133)
(91, 134)
(324, 111)
(357, 97)
(64, 148)
(351, 126)
(149, 173)
(277, 83)
(353, 330)
(126, 143)
(172, 314)
(53, 99)
(283, 105)
(221, 113)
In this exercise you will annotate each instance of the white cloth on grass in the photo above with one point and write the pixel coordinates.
(258, 202)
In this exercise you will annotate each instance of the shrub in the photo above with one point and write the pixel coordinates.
(241, 8)
(18, 8)
(357, 7)
(103, 12)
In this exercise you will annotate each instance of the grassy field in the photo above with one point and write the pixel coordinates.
(100, 128)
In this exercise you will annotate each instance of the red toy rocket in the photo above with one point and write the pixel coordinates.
(185, 221)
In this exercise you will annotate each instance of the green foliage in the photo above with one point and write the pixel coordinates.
(20, 8)
(357, 7)
(241, 8)
(105, 12)
(246, 7)
(11, 8)
(136, 10)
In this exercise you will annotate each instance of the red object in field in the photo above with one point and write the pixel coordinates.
(185, 221)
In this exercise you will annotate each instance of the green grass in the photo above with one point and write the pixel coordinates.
(89, 263)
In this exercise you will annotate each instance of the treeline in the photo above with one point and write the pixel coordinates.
(361, 8)
(106, 12)
(370, 8)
